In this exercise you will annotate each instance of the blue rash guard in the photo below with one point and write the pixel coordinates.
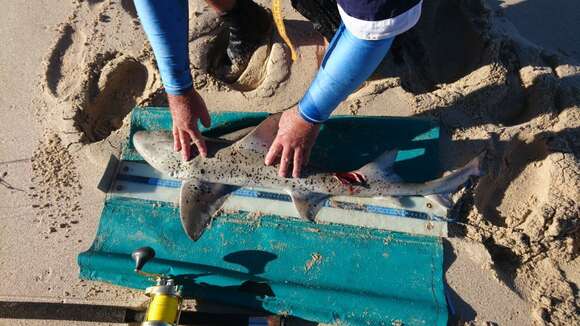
(355, 51)
(348, 62)
(166, 23)
(360, 44)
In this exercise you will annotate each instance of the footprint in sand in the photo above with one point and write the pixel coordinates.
(533, 189)
(269, 67)
(208, 42)
(519, 187)
(121, 82)
(63, 62)
(92, 79)
(95, 97)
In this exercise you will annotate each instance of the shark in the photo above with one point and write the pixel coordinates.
(208, 181)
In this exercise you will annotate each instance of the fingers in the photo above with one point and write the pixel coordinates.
(297, 164)
(306, 157)
(287, 156)
(285, 161)
(176, 141)
(273, 152)
(201, 109)
(204, 117)
(185, 144)
(186, 137)
(199, 142)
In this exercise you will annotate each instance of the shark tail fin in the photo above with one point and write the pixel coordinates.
(199, 201)
(473, 168)
(451, 182)
(476, 165)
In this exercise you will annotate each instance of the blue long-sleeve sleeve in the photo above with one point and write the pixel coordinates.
(166, 24)
(348, 62)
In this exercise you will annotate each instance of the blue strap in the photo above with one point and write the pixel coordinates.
(166, 24)
(348, 62)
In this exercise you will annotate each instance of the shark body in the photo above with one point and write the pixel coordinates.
(230, 165)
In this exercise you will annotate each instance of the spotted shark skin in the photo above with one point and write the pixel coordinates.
(230, 165)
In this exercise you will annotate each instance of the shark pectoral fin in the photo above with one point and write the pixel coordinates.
(308, 203)
(260, 139)
(199, 201)
(381, 168)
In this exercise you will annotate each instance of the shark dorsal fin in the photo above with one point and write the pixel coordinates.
(260, 139)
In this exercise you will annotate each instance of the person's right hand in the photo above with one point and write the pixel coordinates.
(186, 110)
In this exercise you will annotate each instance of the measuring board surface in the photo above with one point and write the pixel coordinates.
(351, 268)
(415, 215)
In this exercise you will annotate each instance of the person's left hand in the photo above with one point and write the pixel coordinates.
(293, 143)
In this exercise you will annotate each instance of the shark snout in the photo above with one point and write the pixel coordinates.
(153, 144)
(139, 138)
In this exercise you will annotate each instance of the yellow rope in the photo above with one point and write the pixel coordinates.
(279, 21)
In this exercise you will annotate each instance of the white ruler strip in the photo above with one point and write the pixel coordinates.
(416, 215)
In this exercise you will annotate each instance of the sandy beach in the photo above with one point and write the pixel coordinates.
(502, 75)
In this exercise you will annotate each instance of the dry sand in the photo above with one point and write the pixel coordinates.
(491, 77)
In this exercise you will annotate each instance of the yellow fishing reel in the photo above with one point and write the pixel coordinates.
(164, 307)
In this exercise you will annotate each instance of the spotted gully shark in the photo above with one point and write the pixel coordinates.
(207, 182)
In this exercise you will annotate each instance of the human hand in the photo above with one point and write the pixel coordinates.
(186, 110)
(293, 142)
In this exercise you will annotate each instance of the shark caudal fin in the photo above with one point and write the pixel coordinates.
(199, 201)
(451, 182)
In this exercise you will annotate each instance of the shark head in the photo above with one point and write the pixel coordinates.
(156, 147)
(153, 143)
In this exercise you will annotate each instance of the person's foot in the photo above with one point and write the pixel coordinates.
(248, 25)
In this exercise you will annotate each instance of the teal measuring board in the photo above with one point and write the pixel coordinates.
(329, 273)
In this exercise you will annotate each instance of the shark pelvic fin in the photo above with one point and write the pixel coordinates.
(381, 168)
(260, 139)
(308, 203)
(199, 201)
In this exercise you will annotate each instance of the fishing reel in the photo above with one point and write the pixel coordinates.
(165, 300)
